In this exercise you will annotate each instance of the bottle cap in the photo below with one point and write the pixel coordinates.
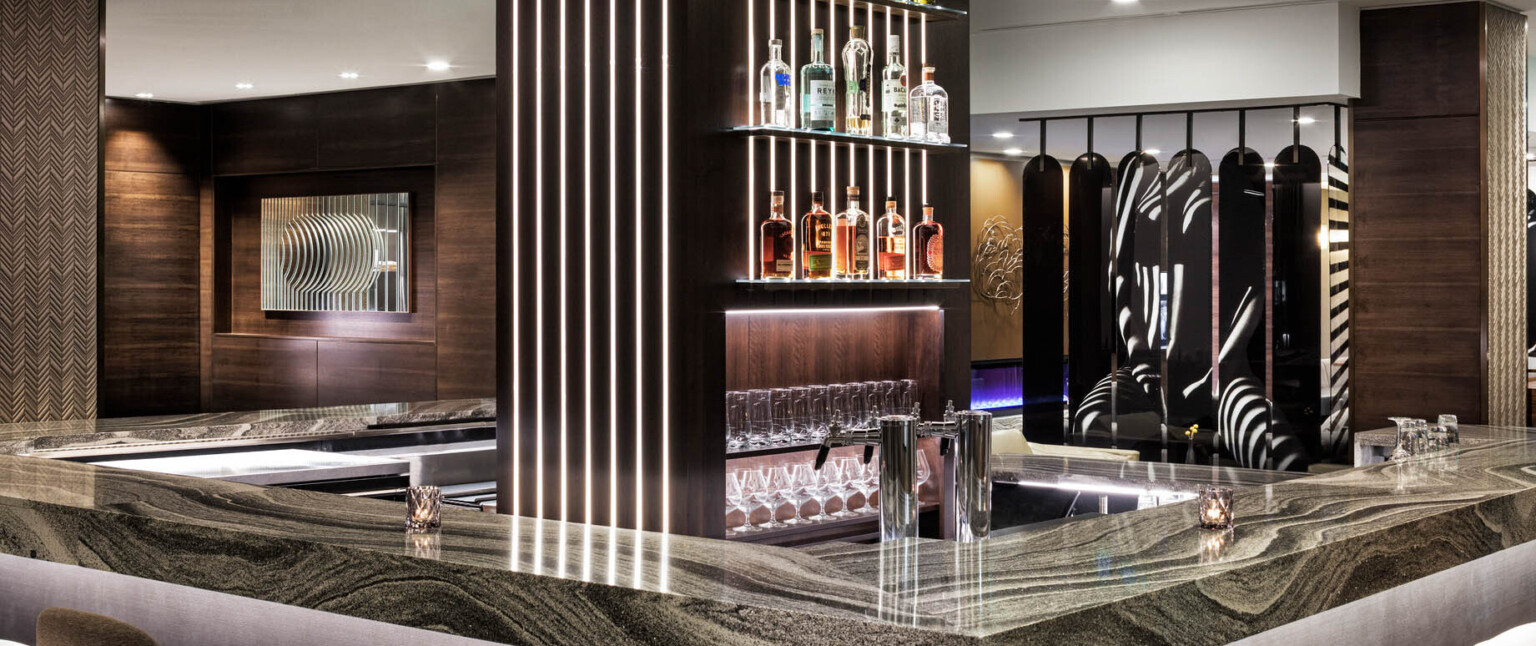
(778, 197)
(890, 203)
(817, 32)
(857, 31)
(853, 191)
(928, 70)
(776, 43)
(893, 42)
(817, 196)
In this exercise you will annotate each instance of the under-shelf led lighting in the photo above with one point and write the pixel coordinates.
(1306, 121)
(244, 86)
(832, 310)
(1013, 152)
(1002, 134)
(145, 95)
(349, 75)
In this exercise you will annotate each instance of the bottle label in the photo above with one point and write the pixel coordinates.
(893, 262)
(895, 95)
(821, 101)
(818, 261)
(782, 79)
(935, 253)
(938, 121)
(861, 248)
(823, 241)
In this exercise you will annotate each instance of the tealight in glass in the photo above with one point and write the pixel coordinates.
(1215, 507)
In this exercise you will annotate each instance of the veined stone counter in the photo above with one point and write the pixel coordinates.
(1301, 547)
(327, 422)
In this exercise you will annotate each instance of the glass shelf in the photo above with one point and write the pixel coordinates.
(851, 285)
(801, 134)
(934, 12)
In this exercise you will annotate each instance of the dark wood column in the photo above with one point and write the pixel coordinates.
(1438, 326)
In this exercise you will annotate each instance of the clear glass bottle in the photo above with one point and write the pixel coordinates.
(891, 236)
(778, 261)
(775, 93)
(816, 240)
(850, 239)
(818, 89)
(858, 106)
(928, 247)
(893, 91)
(929, 111)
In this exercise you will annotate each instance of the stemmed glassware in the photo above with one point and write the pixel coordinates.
(737, 500)
(822, 490)
(802, 481)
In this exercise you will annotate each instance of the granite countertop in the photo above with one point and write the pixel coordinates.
(76, 436)
(1301, 546)
(1469, 435)
(1146, 476)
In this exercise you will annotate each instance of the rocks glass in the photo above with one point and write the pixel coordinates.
(424, 507)
(1215, 507)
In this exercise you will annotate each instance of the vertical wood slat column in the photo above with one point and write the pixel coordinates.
(1422, 332)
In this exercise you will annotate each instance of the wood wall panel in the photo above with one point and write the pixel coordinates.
(355, 372)
(466, 228)
(265, 136)
(1419, 62)
(251, 373)
(377, 128)
(154, 156)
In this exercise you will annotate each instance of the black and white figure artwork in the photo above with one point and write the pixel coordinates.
(1215, 325)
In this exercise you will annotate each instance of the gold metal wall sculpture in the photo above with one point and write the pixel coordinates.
(999, 263)
(338, 253)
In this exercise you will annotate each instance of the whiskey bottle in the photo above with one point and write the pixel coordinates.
(778, 242)
(858, 106)
(851, 239)
(891, 236)
(774, 90)
(893, 91)
(929, 111)
(816, 240)
(928, 247)
(818, 91)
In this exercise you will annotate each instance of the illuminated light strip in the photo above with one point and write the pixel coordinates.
(613, 271)
(925, 177)
(538, 236)
(666, 277)
(833, 310)
(517, 298)
(773, 169)
(565, 191)
(906, 163)
(752, 267)
(587, 311)
(639, 272)
(794, 148)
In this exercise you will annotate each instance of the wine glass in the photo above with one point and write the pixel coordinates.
(772, 480)
(831, 485)
(736, 499)
(755, 485)
(848, 484)
(923, 472)
(872, 484)
(802, 480)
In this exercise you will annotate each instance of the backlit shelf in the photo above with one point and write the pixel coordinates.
(801, 134)
(852, 285)
(935, 12)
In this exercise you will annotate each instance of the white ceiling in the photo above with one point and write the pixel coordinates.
(197, 50)
(1005, 14)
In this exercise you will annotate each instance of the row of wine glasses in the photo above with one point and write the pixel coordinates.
(783, 491)
(1419, 437)
(766, 417)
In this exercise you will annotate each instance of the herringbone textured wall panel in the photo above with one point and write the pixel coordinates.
(49, 106)
(1504, 187)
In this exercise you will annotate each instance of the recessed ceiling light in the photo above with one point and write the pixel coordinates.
(1269, 165)
(1002, 134)
(349, 75)
(438, 66)
(1125, 1)
(243, 86)
(1530, 156)
(1013, 152)
(145, 95)
(1306, 121)
(1151, 151)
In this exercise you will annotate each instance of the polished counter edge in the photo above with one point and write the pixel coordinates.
(1300, 547)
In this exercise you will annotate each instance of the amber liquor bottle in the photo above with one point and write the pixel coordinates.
(778, 242)
(928, 247)
(891, 236)
(851, 239)
(816, 240)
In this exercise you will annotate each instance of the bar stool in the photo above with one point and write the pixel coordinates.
(65, 627)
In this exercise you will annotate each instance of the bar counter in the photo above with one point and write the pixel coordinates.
(1301, 547)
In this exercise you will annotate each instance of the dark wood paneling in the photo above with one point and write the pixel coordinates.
(149, 299)
(1419, 62)
(378, 128)
(356, 372)
(256, 373)
(152, 137)
(1417, 265)
(149, 258)
(239, 209)
(266, 136)
(466, 229)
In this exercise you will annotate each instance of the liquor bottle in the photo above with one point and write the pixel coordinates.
(818, 91)
(851, 240)
(778, 242)
(774, 88)
(816, 240)
(858, 106)
(891, 235)
(928, 247)
(929, 111)
(893, 91)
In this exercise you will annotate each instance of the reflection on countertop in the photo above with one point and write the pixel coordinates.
(1301, 546)
(117, 434)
